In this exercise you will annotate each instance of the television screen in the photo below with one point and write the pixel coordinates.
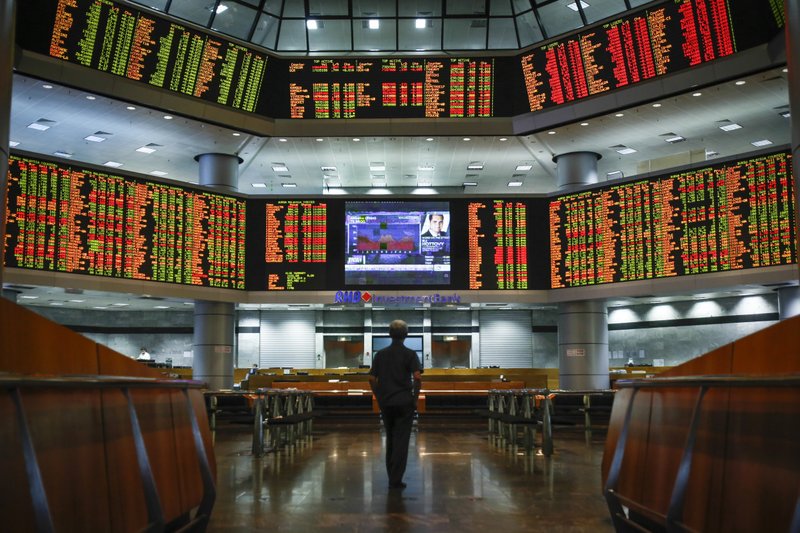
(397, 243)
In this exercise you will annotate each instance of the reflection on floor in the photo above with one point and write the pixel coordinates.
(458, 481)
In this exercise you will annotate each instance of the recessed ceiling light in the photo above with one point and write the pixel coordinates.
(77, 301)
(656, 105)
(236, 134)
(221, 8)
(740, 82)
(280, 168)
(260, 185)
(160, 307)
(475, 165)
(289, 185)
(729, 126)
(426, 168)
(12, 144)
(356, 139)
(131, 108)
(94, 139)
(97, 307)
(786, 114)
(62, 154)
(574, 5)
(90, 97)
(467, 139)
(27, 297)
(112, 164)
(470, 184)
(328, 169)
(697, 94)
(429, 139)
(311, 24)
(57, 304)
(419, 24)
(584, 123)
(374, 24)
(119, 304)
(524, 168)
(503, 139)
(319, 139)
(158, 173)
(675, 139)
(551, 133)
(786, 70)
(168, 117)
(38, 126)
(711, 153)
(377, 167)
(283, 139)
(515, 184)
(145, 150)
(762, 142)
(47, 86)
(624, 150)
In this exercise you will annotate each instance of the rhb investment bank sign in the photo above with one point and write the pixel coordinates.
(358, 297)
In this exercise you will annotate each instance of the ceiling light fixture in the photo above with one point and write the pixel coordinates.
(426, 168)
(475, 165)
(620, 115)
(283, 139)
(727, 125)
(112, 164)
(515, 184)
(429, 139)
(319, 139)
(374, 24)
(740, 82)
(574, 5)
(40, 125)
(130, 108)
(59, 153)
(168, 117)
(470, 184)
(622, 149)
(377, 167)
(94, 138)
(420, 24)
(289, 185)
(280, 167)
(503, 139)
(524, 168)
(614, 175)
(260, 185)
(145, 150)
(656, 105)
(12, 144)
(584, 123)
(221, 9)
(90, 97)
(236, 134)
(551, 133)
(762, 142)
(356, 139)
(697, 94)
(47, 86)
(467, 139)
(157, 173)
(328, 169)
(311, 24)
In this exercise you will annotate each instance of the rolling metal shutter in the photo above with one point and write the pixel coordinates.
(506, 339)
(287, 339)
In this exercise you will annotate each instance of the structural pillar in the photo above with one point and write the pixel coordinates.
(215, 322)
(582, 325)
(7, 19)
(788, 302)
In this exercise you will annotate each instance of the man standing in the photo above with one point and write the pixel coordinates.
(395, 379)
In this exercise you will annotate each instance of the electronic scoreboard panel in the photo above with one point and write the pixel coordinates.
(68, 218)
(669, 37)
(722, 217)
(124, 41)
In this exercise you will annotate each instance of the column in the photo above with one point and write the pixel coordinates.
(792, 9)
(214, 322)
(576, 169)
(7, 18)
(788, 302)
(583, 345)
(582, 325)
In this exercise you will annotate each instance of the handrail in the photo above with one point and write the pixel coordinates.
(16, 383)
(674, 516)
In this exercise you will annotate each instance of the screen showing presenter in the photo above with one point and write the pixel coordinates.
(434, 226)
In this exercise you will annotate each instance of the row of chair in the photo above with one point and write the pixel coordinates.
(282, 418)
(524, 410)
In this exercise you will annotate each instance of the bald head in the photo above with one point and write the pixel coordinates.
(398, 329)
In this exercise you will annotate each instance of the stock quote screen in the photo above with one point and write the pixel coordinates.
(126, 42)
(674, 36)
(387, 88)
(65, 218)
(497, 232)
(723, 217)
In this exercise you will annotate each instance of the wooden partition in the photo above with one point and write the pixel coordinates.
(743, 472)
(83, 435)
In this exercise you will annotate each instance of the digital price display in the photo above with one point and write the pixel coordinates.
(498, 244)
(724, 217)
(124, 41)
(296, 240)
(668, 38)
(389, 88)
(64, 218)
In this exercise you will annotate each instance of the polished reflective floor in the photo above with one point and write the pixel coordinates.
(458, 481)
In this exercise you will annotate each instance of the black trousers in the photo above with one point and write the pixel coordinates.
(397, 419)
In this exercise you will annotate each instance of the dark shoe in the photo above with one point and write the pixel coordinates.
(399, 485)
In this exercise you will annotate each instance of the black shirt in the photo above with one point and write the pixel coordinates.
(394, 366)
